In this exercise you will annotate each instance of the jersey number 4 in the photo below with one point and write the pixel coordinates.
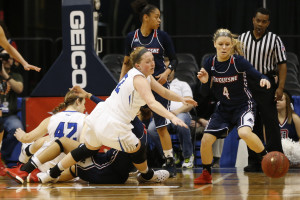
(120, 83)
(59, 132)
(226, 93)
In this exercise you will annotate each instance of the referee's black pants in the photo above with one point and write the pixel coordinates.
(266, 114)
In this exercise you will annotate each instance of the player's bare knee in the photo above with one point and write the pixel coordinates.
(244, 134)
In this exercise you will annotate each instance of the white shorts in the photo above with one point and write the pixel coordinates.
(105, 129)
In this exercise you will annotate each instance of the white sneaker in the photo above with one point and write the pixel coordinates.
(44, 177)
(158, 177)
(23, 158)
(188, 163)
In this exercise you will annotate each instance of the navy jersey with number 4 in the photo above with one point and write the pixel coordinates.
(229, 79)
(158, 42)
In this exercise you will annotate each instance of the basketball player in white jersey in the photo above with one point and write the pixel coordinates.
(109, 123)
(68, 123)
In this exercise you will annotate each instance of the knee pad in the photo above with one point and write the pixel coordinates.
(82, 152)
(140, 156)
(60, 145)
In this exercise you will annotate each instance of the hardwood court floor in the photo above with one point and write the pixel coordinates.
(229, 183)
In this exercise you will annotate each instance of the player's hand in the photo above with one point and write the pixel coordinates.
(264, 82)
(162, 78)
(178, 122)
(19, 134)
(202, 75)
(278, 94)
(79, 91)
(31, 67)
(189, 100)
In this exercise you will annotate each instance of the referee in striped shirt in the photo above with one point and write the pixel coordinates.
(266, 52)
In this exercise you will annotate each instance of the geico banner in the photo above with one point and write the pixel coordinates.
(78, 63)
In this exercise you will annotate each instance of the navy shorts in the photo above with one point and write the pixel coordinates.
(159, 120)
(225, 118)
(110, 168)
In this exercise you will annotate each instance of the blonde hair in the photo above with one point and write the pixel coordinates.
(70, 99)
(236, 44)
(136, 55)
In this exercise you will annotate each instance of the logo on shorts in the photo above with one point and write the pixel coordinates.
(250, 120)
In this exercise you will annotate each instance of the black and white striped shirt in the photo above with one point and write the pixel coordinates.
(265, 53)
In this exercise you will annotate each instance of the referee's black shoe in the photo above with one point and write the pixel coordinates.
(170, 166)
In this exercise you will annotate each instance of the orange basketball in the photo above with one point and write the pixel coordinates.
(275, 164)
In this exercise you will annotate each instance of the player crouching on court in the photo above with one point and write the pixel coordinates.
(227, 73)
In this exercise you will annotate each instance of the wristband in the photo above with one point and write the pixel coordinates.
(171, 67)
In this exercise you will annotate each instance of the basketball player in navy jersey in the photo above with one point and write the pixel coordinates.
(289, 121)
(227, 74)
(160, 44)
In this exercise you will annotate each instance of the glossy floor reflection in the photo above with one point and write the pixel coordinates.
(229, 183)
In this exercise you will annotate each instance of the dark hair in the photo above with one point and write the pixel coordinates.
(142, 7)
(263, 11)
(70, 99)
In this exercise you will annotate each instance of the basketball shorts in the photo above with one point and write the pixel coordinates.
(112, 167)
(225, 118)
(159, 120)
(106, 129)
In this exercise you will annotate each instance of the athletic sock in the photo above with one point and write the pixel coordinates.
(262, 154)
(27, 150)
(29, 166)
(55, 172)
(168, 153)
(148, 175)
(207, 167)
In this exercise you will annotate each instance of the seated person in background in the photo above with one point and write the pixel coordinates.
(182, 112)
(11, 84)
(289, 123)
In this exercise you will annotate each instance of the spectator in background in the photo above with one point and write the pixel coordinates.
(182, 112)
(11, 84)
(289, 123)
